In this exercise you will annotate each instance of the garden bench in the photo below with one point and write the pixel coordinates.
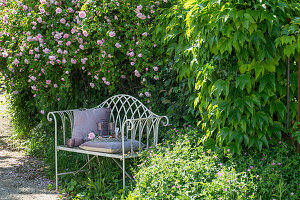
(134, 120)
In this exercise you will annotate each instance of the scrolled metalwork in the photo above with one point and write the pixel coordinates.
(132, 117)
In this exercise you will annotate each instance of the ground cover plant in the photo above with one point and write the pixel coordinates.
(182, 168)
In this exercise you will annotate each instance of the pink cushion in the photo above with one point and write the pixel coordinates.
(85, 121)
(111, 147)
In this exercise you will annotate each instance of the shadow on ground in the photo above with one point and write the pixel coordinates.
(21, 177)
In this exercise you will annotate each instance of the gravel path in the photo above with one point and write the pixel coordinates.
(21, 177)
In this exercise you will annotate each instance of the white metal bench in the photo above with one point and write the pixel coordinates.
(135, 120)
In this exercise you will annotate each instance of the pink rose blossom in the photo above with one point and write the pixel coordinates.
(147, 94)
(80, 40)
(141, 94)
(85, 33)
(70, 10)
(58, 10)
(42, 112)
(39, 20)
(83, 61)
(48, 82)
(140, 7)
(140, 55)
(16, 62)
(92, 85)
(30, 52)
(136, 73)
(73, 61)
(131, 54)
(52, 58)
(155, 69)
(82, 14)
(112, 34)
(145, 34)
(62, 20)
(34, 88)
(117, 45)
(68, 43)
(132, 63)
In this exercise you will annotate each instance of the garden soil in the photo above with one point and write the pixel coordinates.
(21, 177)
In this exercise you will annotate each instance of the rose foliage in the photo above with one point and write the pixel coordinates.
(68, 54)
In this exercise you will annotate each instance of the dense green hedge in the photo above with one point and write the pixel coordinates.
(238, 52)
(72, 54)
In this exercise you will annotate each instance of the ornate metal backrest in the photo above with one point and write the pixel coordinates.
(127, 112)
(125, 107)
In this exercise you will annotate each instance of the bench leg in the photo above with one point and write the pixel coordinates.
(56, 170)
(88, 158)
(124, 174)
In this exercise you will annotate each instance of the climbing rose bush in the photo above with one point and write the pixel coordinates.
(44, 44)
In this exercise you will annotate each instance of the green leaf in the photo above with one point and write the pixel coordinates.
(243, 81)
(265, 141)
(239, 104)
(259, 143)
(247, 19)
(219, 87)
(225, 44)
(244, 68)
(256, 100)
(246, 139)
(210, 144)
(257, 38)
(224, 133)
(289, 50)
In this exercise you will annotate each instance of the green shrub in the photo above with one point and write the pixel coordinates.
(277, 170)
(184, 171)
(237, 51)
(181, 168)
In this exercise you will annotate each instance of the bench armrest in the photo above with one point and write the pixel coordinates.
(63, 115)
(136, 127)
